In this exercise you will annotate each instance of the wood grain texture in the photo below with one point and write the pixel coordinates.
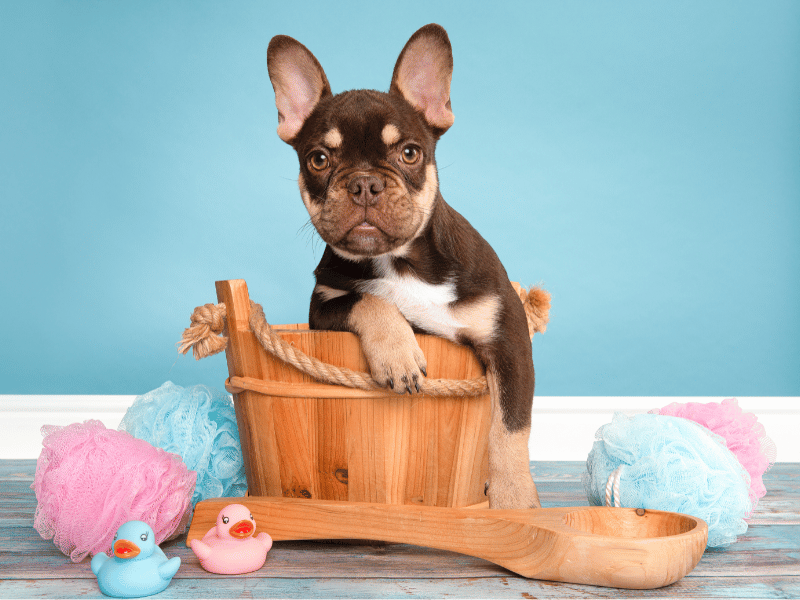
(344, 587)
(764, 563)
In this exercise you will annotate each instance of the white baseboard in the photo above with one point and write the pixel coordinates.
(563, 426)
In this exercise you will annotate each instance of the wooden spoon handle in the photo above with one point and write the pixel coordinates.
(534, 543)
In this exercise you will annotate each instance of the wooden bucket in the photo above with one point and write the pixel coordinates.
(305, 439)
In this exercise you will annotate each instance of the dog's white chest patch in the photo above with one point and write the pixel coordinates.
(426, 305)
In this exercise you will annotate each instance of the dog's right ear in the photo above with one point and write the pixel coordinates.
(299, 83)
(422, 76)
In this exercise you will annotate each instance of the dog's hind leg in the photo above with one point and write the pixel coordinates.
(510, 481)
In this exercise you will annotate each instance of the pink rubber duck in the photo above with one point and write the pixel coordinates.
(230, 548)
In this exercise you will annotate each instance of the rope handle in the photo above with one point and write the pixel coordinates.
(204, 337)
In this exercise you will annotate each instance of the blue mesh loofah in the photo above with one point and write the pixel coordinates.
(672, 464)
(199, 424)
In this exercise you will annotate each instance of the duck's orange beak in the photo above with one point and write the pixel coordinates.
(242, 529)
(125, 549)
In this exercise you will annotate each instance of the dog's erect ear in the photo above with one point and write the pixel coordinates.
(422, 75)
(299, 83)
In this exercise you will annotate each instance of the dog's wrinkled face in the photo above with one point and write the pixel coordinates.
(367, 172)
(367, 167)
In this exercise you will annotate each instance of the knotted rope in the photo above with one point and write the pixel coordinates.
(204, 337)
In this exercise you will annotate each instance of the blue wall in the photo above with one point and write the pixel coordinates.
(641, 160)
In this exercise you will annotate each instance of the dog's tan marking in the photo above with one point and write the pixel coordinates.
(329, 293)
(423, 202)
(479, 318)
(313, 208)
(349, 255)
(388, 342)
(333, 139)
(390, 134)
(428, 193)
(510, 481)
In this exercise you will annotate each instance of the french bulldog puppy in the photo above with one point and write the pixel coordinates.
(398, 258)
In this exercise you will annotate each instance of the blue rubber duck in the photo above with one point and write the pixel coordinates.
(138, 568)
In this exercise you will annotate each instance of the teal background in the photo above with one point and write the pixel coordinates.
(641, 160)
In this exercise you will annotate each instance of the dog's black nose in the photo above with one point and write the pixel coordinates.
(365, 189)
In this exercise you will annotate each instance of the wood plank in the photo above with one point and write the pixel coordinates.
(394, 435)
(295, 445)
(265, 474)
(364, 452)
(243, 348)
(330, 449)
(562, 488)
(40, 559)
(501, 588)
(421, 472)
(780, 506)
(765, 551)
(17, 469)
(782, 474)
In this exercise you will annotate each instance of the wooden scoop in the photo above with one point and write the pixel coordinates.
(615, 547)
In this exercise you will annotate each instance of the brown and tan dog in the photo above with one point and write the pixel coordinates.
(398, 259)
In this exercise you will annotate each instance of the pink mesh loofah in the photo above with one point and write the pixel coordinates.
(91, 480)
(743, 434)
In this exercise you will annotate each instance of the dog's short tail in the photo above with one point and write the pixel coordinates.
(536, 302)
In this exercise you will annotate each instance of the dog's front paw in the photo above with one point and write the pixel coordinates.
(395, 359)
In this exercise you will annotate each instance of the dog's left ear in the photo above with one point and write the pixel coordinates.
(299, 83)
(423, 73)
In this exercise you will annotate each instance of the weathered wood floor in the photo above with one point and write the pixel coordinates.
(765, 563)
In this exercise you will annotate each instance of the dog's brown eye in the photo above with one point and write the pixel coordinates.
(411, 154)
(318, 161)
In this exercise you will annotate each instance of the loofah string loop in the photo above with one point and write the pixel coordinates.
(612, 488)
(204, 338)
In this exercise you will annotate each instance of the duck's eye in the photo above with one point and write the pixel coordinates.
(411, 155)
(318, 161)
(225, 520)
(143, 537)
